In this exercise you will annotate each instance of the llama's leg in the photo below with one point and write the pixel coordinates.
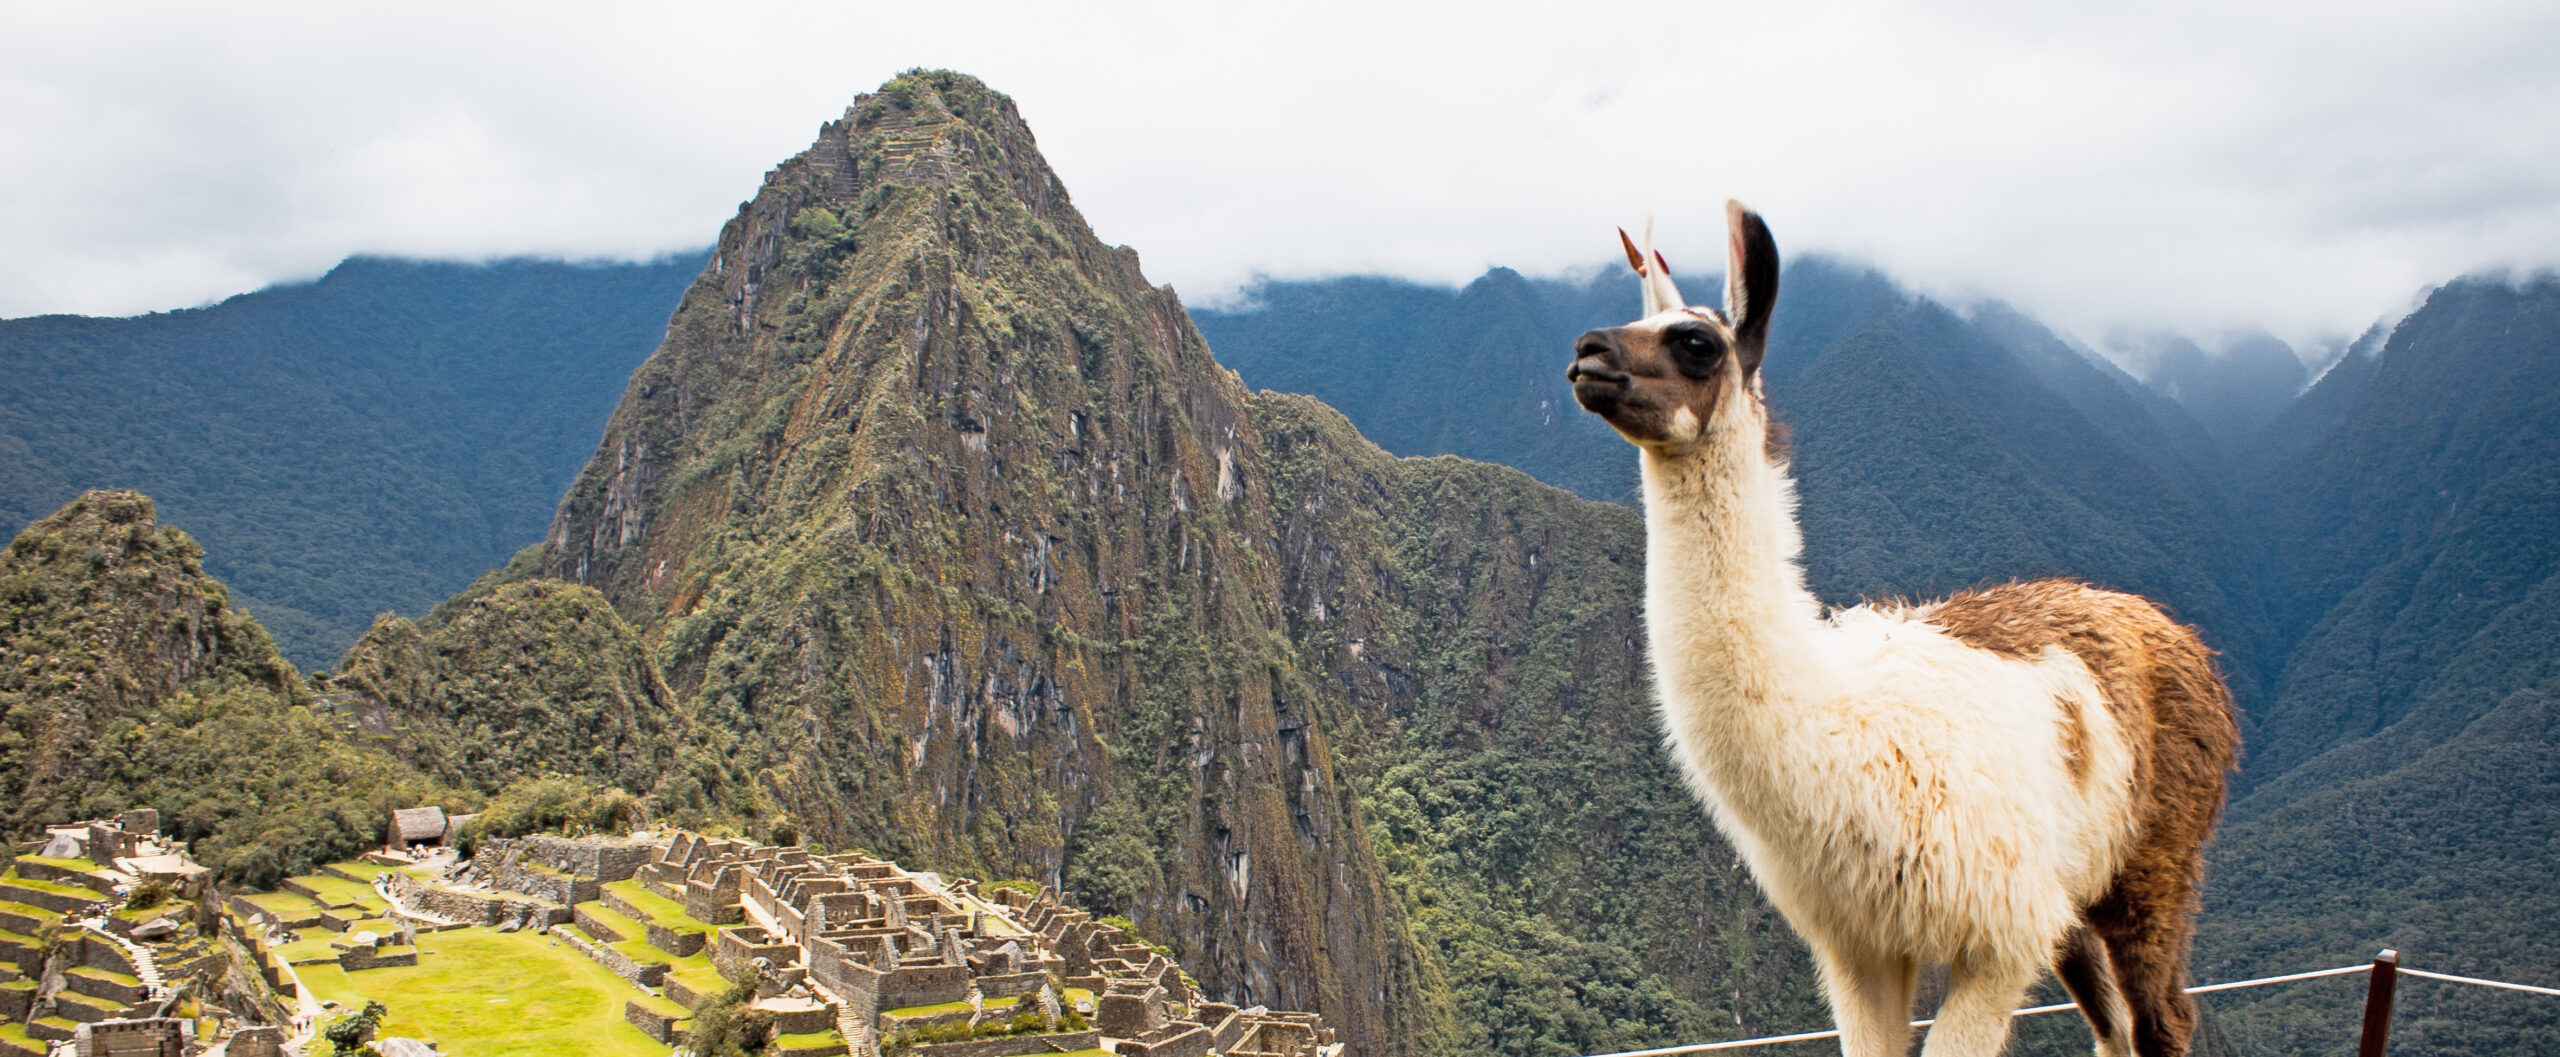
(1871, 1001)
(1974, 1020)
(2146, 920)
(2083, 969)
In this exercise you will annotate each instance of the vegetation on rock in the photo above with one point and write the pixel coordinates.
(128, 679)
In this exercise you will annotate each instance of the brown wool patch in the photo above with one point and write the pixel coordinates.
(2160, 682)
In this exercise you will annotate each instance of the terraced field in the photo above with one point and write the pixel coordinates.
(494, 994)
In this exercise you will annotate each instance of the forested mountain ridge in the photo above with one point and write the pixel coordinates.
(371, 440)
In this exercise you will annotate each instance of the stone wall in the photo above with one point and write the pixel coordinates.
(45, 871)
(592, 924)
(802, 1021)
(260, 1041)
(681, 944)
(592, 858)
(1014, 1046)
(98, 952)
(1011, 984)
(651, 1022)
(360, 958)
(923, 985)
(544, 883)
(1179, 1039)
(474, 909)
(741, 945)
(650, 975)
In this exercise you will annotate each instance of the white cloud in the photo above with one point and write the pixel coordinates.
(2294, 165)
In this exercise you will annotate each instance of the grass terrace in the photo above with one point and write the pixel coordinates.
(311, 945)
(289, 906)
(11, 879)
(74, 865)
(665, 912)
(358, 869)
(813, 1042)
(939, 1009)
(339, 892)
(493, 994)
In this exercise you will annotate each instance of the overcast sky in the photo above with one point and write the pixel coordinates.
(2305, 166)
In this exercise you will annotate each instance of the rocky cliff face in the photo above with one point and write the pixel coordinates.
(944, 509)
(951, 519)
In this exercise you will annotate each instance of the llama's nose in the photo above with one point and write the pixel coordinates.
(1596, 358)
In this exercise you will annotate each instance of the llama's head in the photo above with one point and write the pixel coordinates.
(1662, 380)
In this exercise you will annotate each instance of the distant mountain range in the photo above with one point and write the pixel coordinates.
(930, 526)
(2376, 558)
(369, 441)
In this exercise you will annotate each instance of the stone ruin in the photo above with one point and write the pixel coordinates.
(872, 938)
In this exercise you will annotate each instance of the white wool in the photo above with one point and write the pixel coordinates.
(1902, 797)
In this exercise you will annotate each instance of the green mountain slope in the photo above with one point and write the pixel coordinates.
(2406, 789)
(527, 678)
(129, 679)
(369, 441)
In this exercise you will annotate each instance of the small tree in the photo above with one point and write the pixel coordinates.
(350, 1036)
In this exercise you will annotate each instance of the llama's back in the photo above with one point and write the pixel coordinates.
(2158, 679)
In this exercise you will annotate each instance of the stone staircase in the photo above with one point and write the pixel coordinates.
(145, 967)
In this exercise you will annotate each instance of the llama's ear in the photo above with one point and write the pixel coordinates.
(1750, 281)
(1660, 294)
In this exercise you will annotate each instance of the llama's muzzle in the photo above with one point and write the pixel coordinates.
(1598, 373)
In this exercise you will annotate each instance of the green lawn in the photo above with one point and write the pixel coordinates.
(315, 945)
(913, 1012)
(360, 869)
(290, 906)
(828, 1041)
(620, 925)
(338, 891)
(660, 909)
(12, 879)
(77, 865)
(492, 994)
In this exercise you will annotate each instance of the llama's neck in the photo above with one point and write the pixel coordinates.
(1735, 634)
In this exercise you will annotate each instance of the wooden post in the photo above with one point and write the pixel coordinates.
(2377, 1004)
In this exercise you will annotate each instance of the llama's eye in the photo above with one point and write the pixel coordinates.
(1694, 343)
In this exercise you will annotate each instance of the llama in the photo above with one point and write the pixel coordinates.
(2013, 778)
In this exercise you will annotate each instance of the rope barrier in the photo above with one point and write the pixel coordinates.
(2478, 982)
(2343, 970)
(1809, 1036)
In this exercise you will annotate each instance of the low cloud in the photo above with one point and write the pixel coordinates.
(2301, 167)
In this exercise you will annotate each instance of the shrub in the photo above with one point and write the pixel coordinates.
(146, 895)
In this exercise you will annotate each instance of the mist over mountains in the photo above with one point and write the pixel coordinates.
(950, 536)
